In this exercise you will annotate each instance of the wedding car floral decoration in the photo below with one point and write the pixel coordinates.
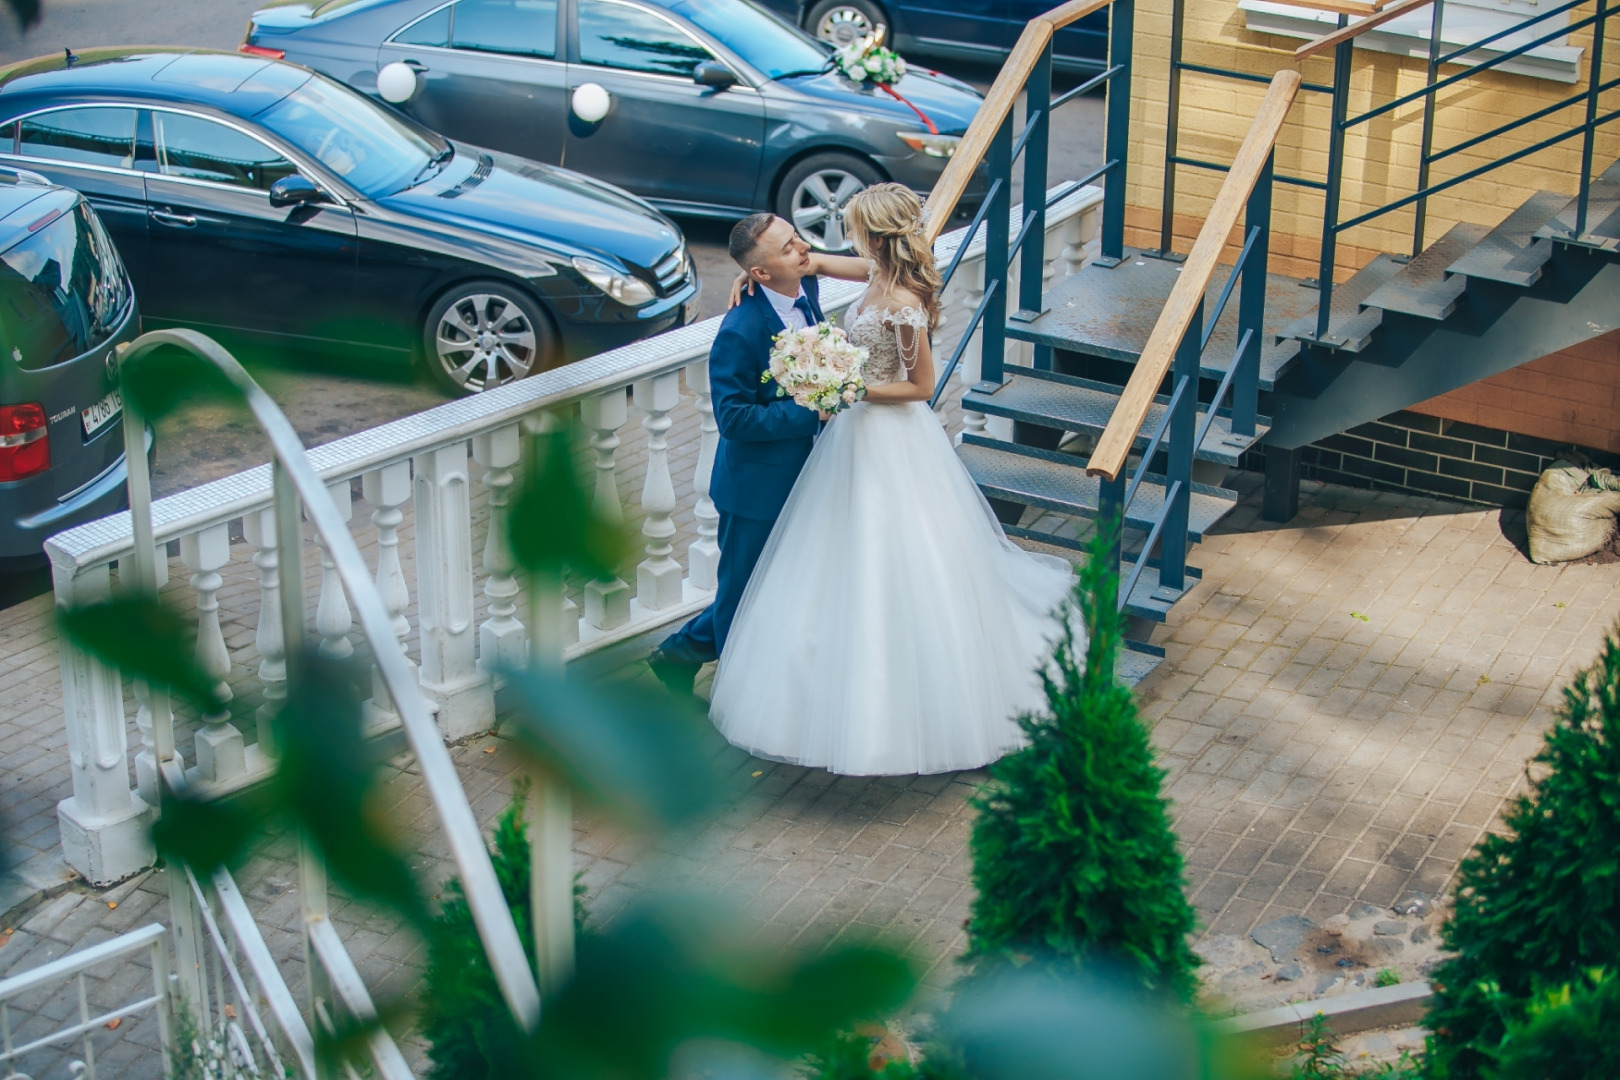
(867, 59)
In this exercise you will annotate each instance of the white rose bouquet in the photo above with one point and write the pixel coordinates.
(819, 367)
(864, 59)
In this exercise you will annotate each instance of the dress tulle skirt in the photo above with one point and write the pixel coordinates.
(890, 627)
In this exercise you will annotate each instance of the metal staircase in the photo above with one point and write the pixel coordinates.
(1147, 384)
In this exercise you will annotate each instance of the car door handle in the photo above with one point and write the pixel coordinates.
(179, 221)
(415, 65)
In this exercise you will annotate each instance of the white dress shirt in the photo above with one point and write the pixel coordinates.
(791, 317)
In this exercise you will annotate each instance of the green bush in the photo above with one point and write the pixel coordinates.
(1571, 1033)
(1535, 910)
(1074, 859)
(462, 1008)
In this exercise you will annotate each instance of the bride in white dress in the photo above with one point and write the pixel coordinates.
(890, 626)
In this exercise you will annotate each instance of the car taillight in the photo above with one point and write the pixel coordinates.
(24, 449)
(260, 50)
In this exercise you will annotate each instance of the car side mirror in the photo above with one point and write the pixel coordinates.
(296, 190)
(710, 73)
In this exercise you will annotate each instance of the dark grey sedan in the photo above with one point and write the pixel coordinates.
(713, 108)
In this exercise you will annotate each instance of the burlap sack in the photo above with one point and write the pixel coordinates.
(1572, 512)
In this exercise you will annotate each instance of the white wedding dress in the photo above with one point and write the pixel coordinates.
(890, 626)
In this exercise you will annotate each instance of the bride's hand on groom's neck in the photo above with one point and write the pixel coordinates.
(743, 282)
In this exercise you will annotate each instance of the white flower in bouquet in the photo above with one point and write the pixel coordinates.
(819, 367)
(864, 60)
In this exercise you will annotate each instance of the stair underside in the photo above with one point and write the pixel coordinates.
(1602, 215)
(1055, 481)
(1351, 325)
(1067, 403)
(1109, 313)
(1511, 253)
(1422, 287)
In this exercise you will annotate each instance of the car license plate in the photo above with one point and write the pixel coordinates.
(102, 412)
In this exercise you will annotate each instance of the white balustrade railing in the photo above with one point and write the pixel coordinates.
(421, 467)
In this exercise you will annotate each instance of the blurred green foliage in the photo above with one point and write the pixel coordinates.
(1074, 858)
(554, 524)
(1571, 1032)
(165, 380)
(146, 641)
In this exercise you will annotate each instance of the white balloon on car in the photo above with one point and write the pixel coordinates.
(396, 83)
(591, 102)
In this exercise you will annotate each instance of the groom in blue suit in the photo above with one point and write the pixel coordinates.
(764, 439)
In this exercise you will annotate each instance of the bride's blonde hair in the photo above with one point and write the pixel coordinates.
(886, 224)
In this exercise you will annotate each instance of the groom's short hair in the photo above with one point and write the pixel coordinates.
(745, 237)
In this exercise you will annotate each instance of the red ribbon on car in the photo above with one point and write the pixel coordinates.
(892, 92)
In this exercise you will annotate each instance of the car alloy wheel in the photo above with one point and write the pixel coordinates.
(819, 194)
(843, 25)
(483, 336)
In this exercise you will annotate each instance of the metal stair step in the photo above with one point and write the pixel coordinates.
(1054, 400)
(1511, 253)
(1350, 325)
(1602, 215)
(1058, 482)
(1424, 287)
(1110, 312)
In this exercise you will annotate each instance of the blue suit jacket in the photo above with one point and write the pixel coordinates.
(764, 439)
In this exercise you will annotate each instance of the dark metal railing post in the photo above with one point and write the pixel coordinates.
(1437, 18)
(1594, 83)
(1117, 142)
(1111, 509)
(1183, 429)
(1172, 129)
(1252, 304)
(997, 229)
(1037, 148)
(1335, 176)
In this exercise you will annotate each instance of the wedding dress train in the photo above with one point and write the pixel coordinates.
(890, 626)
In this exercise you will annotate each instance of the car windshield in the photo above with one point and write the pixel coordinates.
(766, 43)
(373, 151)
(62, 290)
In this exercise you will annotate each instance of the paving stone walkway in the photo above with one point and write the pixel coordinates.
(1346, 703)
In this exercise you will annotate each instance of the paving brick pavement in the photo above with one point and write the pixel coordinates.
(1346, 702)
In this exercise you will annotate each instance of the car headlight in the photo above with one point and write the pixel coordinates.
(627, 290)
(932, 145)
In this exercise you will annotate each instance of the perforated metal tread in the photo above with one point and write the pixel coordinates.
(1422, 287)
(1145, 599)
(1351, 326)
(1109, 313)
(1602, 215)
(1510, 253)
(1058, 482)
(1054, 400)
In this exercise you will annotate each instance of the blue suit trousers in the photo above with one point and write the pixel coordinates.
(742, 540)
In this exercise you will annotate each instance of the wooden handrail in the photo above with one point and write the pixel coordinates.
(948, 189)
(1347, 33)
(1339, 7)
(1187, 297)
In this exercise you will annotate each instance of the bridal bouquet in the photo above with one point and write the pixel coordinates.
(819, 367)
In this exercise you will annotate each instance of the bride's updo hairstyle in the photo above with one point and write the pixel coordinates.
(886, 224)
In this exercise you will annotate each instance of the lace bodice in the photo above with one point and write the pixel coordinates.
(874, 330)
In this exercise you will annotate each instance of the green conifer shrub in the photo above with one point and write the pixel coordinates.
(1073, 855)
(1535, 910)
(1571, 1033)
(463, 1013)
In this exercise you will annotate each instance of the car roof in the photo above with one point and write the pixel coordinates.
(20, 190)
(231, 82)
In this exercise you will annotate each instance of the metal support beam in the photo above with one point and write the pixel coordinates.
(1117, 142)
(1252, 304)
(997, 230)
(1279, 501)
(1032, 255)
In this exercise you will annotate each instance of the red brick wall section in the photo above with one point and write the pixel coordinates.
(1568, 397)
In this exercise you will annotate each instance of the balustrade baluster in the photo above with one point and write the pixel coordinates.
(151, 709)
(106, 828)
(1080, 240)
(658, 577)
(502, 638)
(703, 554)
(451, 677)
(260, 530)
(221, 752)
(333, 620)
(607, 602)
(387, 489)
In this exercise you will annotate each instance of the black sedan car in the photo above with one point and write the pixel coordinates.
(252, 197)
(705, 107)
